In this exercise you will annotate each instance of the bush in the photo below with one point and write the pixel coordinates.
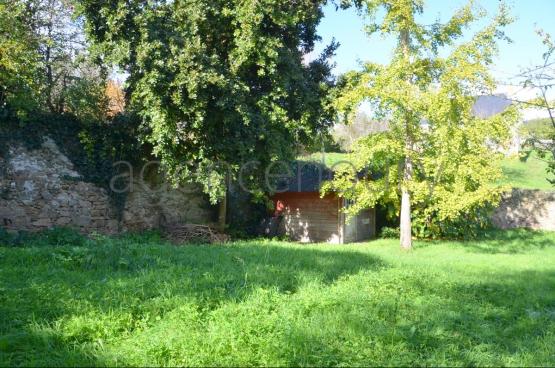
(14, 239)
(6, 238)
(468, 225)
(56, 237)
(390, 232)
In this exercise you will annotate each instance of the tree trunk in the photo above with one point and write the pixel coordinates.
(405, 221)
(406, 225)
(222, 212)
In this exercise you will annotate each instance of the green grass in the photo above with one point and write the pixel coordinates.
(139, 301)
(529, 174)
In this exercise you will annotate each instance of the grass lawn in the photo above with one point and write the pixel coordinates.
(529, 174)
(139, 301)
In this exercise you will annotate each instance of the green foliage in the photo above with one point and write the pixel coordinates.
(435, 149)
(85, 99)
(468, 225)
(20, 74)
(44, 66)
(137, 301)
(389, 232)
(92, 146)
(6, 238)
(538, 129)
(60, 237)
(541, 78)
(218, 81)
(55, 237)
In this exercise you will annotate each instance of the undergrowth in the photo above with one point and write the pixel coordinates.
(135, 300)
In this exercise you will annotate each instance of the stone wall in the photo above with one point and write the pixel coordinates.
(534, 209)
(41, 189)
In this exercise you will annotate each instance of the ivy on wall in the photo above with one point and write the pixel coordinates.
(92, 147)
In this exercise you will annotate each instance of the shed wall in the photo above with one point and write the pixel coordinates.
(360, 227)
(309, 218)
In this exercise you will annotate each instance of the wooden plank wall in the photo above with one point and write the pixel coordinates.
(309, 218)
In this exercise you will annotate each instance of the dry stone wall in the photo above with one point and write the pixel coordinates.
(41, 189)
(533, 209)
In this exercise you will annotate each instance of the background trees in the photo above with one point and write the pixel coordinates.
(436, 161)
(44, 62)
(20, 77)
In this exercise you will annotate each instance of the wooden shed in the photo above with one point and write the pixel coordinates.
(300, 213)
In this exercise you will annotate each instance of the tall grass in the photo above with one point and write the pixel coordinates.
(136, 300)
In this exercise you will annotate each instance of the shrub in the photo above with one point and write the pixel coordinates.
(59, 236)
(390, 232)
(6, 238)
(56, 237)
(467, 225)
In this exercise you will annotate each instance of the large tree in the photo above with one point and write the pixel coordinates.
(436, 161)
(218, 81)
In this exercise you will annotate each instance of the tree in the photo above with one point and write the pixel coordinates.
(220, 83)
(71, 81)
(20, 77)
(436, 160)
(44, 64)
(542, 78)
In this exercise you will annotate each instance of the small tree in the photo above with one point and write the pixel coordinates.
(436, 161)
(542, 79)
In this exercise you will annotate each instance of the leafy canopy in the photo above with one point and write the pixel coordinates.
(426, 99)
(218, 80)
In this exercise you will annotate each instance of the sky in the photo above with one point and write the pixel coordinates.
(526, 48)
(346, 26)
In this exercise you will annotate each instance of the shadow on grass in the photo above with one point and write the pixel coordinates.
(514, 174)
(29, 348)
(43, 286)
(495, 241)
(506, 319)
(511, 241)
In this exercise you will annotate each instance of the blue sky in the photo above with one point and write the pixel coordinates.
(526, 49)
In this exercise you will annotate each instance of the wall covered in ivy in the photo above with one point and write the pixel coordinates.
(40, 187)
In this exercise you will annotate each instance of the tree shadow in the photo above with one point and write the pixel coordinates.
(507, 319)
(44, 348)
(81, 284)
(510, 242)
(497, 241)
(522, 208)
